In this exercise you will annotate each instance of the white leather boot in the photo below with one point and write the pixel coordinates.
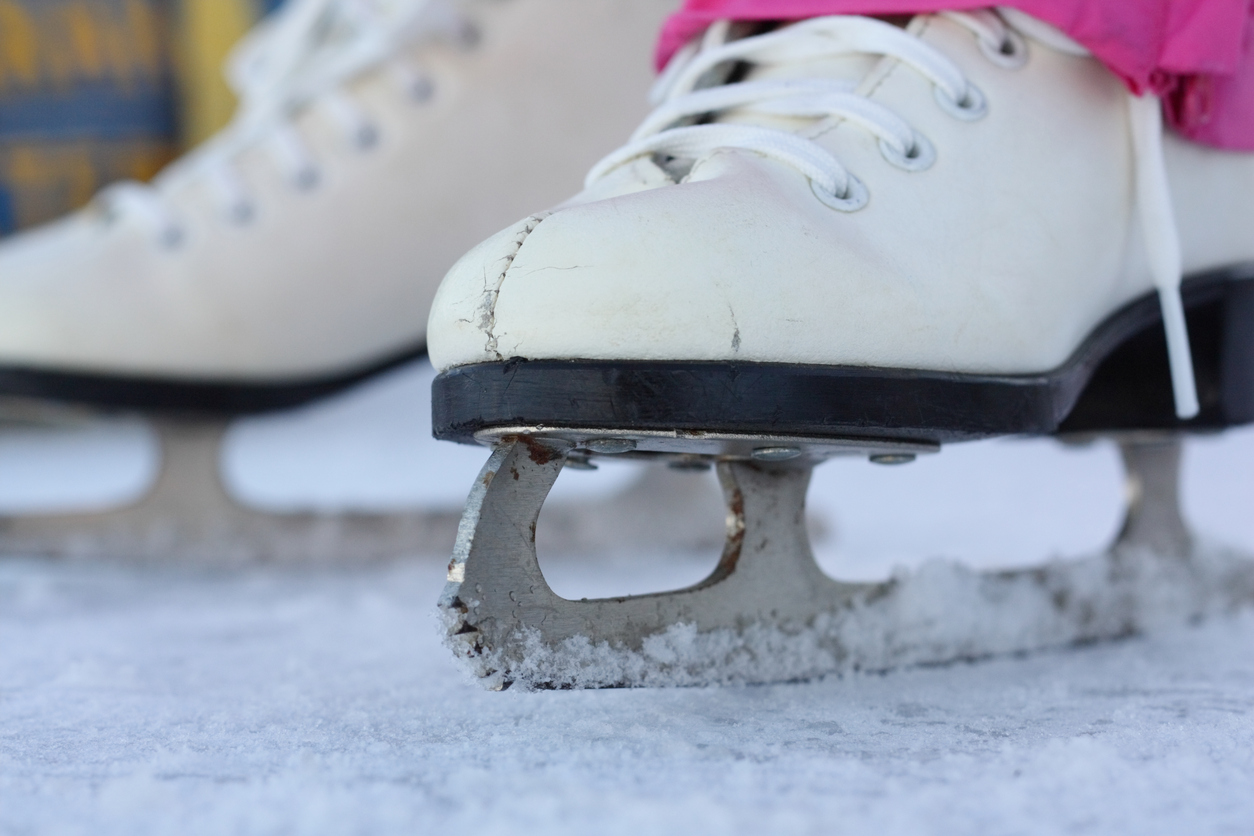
(298, 250)
(846, 237)
(376, 140)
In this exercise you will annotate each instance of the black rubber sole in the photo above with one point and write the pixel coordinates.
(195, 397)
(1117, 380)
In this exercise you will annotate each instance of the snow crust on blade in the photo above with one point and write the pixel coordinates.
(942, 612)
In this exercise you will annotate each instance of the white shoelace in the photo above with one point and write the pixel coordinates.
(683, 98)
(297, 58)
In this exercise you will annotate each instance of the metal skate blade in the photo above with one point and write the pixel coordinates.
(684, 445)
(188, 516)
(767, 613)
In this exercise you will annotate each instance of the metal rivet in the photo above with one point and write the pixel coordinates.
(422, 90)
(469, 36)
(892, 458)
(172, 237)
(366, 137)
(241, 213)
(306, 178)
(776, 454)
(610, 446)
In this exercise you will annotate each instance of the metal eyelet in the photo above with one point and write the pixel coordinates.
(172, 237)
(366, 137)
(1010, 54)
(973, 105)
(306, 178)
(922, 154)
(421, 90)
(241, 213)
(469, 36)
(856, 196)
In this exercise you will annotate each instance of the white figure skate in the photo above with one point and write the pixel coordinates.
(297, 252)
(843, 237)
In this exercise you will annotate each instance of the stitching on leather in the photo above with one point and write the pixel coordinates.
(492, 290)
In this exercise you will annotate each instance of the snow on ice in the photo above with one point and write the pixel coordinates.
(199, 701)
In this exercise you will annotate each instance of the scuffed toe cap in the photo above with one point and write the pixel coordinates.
(651, 274)
(461, 326)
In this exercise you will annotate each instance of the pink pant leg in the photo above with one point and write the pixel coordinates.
(1197, 54)
(1217, 108)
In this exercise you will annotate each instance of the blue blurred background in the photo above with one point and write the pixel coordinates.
(93, 91)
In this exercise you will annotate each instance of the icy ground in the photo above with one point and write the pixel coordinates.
(201, 701)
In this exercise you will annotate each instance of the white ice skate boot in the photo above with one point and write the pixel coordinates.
(298, 251)
(844, 237)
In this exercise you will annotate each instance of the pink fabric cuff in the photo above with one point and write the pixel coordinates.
(1197, 54)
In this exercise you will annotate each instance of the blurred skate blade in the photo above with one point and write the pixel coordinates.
(367, 449)
(999, 503)
(355, 477)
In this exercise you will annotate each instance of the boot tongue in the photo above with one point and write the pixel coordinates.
(848, 70)
(852, 68)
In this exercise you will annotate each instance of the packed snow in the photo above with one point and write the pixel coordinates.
(200, 700)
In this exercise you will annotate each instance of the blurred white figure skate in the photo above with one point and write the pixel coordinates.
(296, 252)
(842, 237)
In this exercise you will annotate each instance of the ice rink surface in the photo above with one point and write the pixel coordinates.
(200, 700)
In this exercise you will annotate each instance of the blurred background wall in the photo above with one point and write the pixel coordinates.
(93, 91)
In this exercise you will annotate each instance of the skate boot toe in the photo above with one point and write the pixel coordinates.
(461, 328)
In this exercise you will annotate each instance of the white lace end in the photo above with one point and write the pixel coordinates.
(1162, 244)
(1179, 355)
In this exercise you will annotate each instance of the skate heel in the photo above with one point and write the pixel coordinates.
(1131, 388)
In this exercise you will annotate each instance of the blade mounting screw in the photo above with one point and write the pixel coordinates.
(892, 458)
(610, 446)
(775, 454)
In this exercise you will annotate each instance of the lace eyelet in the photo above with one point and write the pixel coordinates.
(421, 90)
(1010, 54)
(972, 107)
(856, 196)
(306, 179)
(922, 156)
(469, 36)
(241, 214)
(172, 237)
(366, 137)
